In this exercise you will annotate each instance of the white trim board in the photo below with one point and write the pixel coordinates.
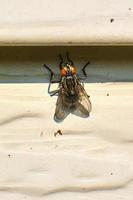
(75, 22)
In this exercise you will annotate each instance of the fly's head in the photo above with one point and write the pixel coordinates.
(68, 70)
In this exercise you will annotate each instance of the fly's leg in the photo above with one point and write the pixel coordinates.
(51, 72)
(83, 69)
(51, 93)
(61, 61)
(84, 72)
(54, 92)
(69, 60)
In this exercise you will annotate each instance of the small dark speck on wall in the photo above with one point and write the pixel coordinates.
(58, 132)
(41, 134)
(111, 20)
(129, 9)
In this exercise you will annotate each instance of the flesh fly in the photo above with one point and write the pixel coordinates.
(72, 97)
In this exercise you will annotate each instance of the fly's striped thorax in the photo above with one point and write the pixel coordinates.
(69, 84)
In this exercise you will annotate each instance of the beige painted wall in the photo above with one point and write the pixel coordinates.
(93, 157)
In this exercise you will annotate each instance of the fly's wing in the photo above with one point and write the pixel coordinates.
(82, 107)
(62, 110)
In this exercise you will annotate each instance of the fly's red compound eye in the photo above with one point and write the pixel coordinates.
(63, 71)
(73, 70)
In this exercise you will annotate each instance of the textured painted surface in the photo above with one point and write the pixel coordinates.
(64, 22)
(93, 158)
